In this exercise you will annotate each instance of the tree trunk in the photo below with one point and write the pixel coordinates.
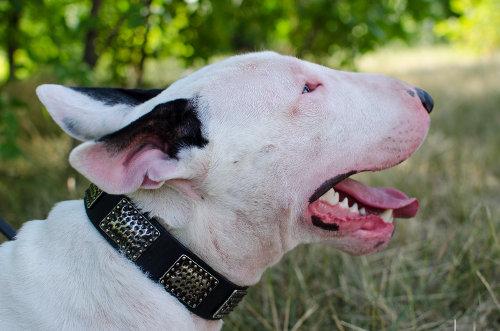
(140, 78)
(11, 40)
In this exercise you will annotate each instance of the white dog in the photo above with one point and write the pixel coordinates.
(240, 161)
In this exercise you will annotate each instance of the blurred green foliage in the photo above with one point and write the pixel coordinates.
(477, 25)
(9, 128)
(74, 37)
(110, 42)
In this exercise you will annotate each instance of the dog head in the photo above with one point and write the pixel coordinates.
(239, 158)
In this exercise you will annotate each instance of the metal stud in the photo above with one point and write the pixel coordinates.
(131, 235)
(182, 280)
(92, 194)
(231, 302)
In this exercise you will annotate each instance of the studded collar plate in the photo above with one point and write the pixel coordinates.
(161, 257)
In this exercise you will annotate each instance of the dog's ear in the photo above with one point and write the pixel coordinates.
(145, 153)
(88, 113)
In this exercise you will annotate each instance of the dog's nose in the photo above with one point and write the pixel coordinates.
(426, 99)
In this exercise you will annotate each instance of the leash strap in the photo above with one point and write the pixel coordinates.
(6, 230)
(161, 257)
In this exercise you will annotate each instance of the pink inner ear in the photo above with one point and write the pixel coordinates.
(126, 171)
(149, 183)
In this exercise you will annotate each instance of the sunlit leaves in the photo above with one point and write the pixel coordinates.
(477, 26)
(124, 34)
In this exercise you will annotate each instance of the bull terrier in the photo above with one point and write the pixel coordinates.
(198, 188)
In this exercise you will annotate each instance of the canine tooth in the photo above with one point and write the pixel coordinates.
(354, 208)
(335, 198)
(344, 204)
(362, 211)
(325, 196)
(331, 197)
(387, 216)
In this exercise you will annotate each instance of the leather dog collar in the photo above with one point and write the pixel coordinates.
(160, 256)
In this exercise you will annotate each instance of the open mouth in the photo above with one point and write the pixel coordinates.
(343, 204)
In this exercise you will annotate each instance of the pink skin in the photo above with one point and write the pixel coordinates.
(369, 230)
(366, 233)
(358, 234)
(146, 167)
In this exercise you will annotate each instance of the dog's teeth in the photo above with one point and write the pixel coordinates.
(331, 197)
(344, 204)
(354, 208)
(335, 198)
(387, 216)
(362, 211)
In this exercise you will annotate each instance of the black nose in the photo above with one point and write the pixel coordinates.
(426, 99)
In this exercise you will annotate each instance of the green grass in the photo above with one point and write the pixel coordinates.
(441, 270)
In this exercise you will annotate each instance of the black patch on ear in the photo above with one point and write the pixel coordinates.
(73, 126)
(70, 124)
(112, 96)
(170, 126)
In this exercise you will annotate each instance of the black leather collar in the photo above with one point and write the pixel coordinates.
(161, 257)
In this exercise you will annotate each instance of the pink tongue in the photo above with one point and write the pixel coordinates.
(380, 197)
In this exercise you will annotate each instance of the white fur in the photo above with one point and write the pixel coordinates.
(80, 108)
(239, 202)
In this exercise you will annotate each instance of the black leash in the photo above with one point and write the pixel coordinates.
(6, 230)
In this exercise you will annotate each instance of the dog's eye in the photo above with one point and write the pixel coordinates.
(306, 89)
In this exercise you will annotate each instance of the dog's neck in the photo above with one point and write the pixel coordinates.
(238, 244)
(144, 241)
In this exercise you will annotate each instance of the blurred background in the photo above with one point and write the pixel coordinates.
(442, 269)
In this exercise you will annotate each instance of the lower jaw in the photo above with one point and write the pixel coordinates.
(355, 236)
(358, 243)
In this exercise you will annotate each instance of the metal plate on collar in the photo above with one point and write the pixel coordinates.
(129, 229)
(231, 302)
(188, 281)
(92, 194)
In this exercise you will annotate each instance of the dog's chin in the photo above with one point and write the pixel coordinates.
(361, 242)
(356, 218)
